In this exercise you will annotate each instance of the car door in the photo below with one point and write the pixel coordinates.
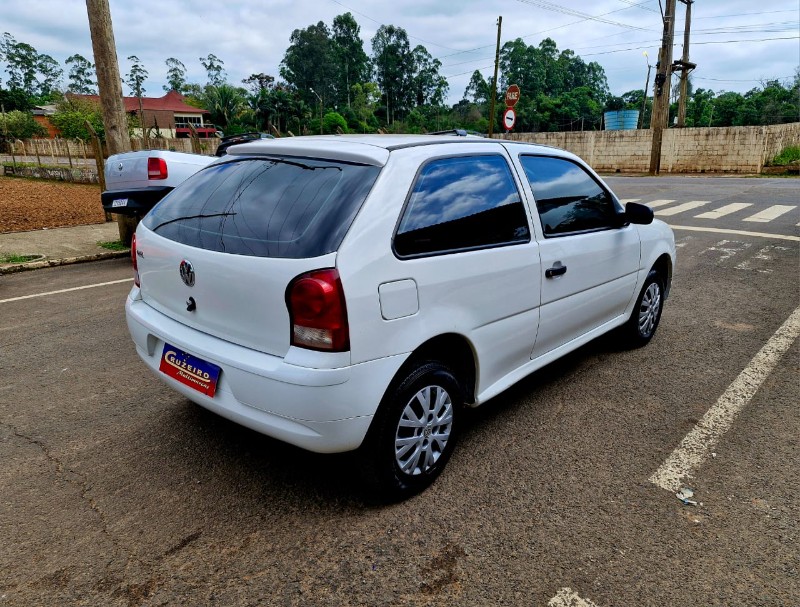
(589, 261)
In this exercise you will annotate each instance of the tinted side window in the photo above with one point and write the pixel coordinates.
(567, 197)
(462, 203)
(265, 207)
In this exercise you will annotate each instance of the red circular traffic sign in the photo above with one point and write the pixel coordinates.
(509, 118)
(512, 96)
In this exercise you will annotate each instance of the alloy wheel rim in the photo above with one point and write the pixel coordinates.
(423, 431)
(649, 309)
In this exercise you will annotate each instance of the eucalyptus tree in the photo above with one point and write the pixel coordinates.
(393, 62)
(309, 64)
(353, 66)
(176, 75)
(81, 75)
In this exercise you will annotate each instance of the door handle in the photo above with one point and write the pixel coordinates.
(555, 271)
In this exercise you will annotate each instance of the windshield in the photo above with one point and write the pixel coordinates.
(265, 206)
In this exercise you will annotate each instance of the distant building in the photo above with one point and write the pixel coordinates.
(41, 114)
(170, 114)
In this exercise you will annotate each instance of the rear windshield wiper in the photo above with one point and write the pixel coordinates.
(201, 216)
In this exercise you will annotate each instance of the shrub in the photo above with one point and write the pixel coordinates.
(333, 120)
(71, 116)
(787, 156)
(20, 125)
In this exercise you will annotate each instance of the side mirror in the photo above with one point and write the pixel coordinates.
(638, 213)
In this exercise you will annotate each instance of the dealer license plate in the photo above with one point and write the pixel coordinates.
(189, 370)
(119, 202)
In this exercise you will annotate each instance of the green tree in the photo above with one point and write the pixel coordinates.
(394, 69)
(478, 89)
(136, 77)
(81, 75)
(38, 75)
(429, 87)
(353, 65)
(214, 69)
(225, 103)
(176, 75)
(19, 125)
(310, 64)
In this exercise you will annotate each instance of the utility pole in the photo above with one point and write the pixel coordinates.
(660, 116)
(646, 87)
(109, 85)
(684, 65)
(494, 80)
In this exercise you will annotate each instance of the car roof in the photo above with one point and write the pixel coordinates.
(363, 149)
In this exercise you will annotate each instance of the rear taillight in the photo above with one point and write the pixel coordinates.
(317, 312)
(156, 168)
(135, 262)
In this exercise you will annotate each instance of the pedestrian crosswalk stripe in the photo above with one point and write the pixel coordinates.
(726, 210)
(658, 203)
(686, 206)
(769, 214)
(627, 200)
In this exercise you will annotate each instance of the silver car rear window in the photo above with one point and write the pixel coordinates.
(265, 206)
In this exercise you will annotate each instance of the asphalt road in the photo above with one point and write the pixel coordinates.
(114, 490)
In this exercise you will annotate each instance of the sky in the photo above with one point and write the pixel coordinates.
(735, 45)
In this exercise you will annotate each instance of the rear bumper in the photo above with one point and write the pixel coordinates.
(322, 410)
(135, 201)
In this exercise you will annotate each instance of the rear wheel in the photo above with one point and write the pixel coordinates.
(642, 324)
(414, 432)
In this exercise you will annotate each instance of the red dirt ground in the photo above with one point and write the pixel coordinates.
(30, 204)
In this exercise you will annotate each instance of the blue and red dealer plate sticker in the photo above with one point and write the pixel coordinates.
(189, 370)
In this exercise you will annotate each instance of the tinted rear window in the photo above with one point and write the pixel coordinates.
(265, 207)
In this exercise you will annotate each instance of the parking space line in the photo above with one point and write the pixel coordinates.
(771, 213)
(737, 232)
(686, 206)
(567, 598)
(695, 447)
(726, 210)
(99, 284)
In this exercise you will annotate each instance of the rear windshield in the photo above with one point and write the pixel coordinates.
(265, 207)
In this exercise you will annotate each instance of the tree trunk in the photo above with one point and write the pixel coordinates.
(109, 85)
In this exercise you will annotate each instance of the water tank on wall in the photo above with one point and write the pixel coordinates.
(622, 120)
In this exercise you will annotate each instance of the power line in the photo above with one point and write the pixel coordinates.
(568, 11)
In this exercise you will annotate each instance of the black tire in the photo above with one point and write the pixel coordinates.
(646, 314)
(422, 410)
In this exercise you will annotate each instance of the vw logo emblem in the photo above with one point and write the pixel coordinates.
(187, 273)
(119, 167)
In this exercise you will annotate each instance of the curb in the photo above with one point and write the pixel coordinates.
(52, 263)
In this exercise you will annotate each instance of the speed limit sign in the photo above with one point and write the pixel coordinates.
(509, 118)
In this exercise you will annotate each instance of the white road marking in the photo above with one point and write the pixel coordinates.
(627, 200)
(99, 284)
(762, 255)
(737, 232)
(726, 210)
(658, 203)
(567, 598)
(686, 206)
(698, 444)
(727, 248)
(771, 213)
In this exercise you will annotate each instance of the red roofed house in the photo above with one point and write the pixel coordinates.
(170, 113)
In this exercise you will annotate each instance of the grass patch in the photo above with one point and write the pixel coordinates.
(787, 156)
(113, 245)
(14, 258)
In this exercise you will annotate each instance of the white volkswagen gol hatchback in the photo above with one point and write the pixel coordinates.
(343, 293)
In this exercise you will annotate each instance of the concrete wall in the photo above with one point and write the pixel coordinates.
(742, 149)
